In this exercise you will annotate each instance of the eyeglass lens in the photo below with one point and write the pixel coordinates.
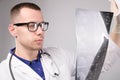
(34, 26)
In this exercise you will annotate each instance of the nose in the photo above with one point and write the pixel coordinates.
(39, 30)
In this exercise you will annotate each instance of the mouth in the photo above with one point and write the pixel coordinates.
(39, 41)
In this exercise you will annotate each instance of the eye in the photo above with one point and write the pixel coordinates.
(32, 26)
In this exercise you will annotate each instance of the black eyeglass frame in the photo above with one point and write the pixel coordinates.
(35, 23)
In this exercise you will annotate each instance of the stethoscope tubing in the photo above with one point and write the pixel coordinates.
(11, 72)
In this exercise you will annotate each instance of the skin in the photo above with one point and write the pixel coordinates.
(115, 34)
(27, 43)
(114, 7)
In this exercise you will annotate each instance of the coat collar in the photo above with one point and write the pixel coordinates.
(49, 66)
(19, 66)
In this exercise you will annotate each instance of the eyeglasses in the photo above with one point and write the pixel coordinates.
(33, 26)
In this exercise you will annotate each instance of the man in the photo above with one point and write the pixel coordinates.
(29, 60)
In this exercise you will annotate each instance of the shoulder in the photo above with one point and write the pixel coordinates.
(63, 58)
(4, 62)
(4, 65)
(4, 68)
(54, 50)
(57, 52)
(60, 52)
(62, 55)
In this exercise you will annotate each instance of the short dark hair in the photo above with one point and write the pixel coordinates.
(16, 9)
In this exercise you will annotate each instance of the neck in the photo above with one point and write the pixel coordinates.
(27, 54)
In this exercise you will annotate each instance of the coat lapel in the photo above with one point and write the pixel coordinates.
(49, 66)
(19, 66)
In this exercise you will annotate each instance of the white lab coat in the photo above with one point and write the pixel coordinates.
(58, 62)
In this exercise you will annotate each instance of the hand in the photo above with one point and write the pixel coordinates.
(115, 33)
(114, 7)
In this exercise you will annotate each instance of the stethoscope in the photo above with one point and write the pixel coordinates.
(56, 74)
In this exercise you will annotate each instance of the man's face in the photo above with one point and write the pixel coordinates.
(25, 38)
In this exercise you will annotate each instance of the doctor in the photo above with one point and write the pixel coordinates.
(29, 60)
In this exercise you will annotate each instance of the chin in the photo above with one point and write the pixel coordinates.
(38, 48)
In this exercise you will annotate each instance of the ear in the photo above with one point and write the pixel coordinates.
(12, 30)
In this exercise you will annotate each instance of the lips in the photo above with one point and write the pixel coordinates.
(39, 40)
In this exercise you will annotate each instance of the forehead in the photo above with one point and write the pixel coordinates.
(27, 15)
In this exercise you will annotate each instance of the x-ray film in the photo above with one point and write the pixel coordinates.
(92, 31)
